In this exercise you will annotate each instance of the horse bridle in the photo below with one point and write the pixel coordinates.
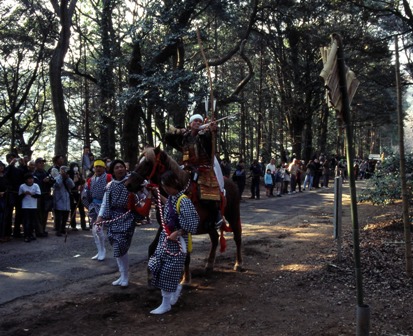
(158, 162)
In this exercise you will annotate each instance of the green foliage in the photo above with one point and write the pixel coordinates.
(384, 187)
(24, 100)
(145, 54)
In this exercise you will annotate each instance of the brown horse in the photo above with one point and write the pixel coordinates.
(152, 163)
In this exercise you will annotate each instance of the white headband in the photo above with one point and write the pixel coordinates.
(196, 116)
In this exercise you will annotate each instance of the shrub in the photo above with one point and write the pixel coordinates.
(384, 186)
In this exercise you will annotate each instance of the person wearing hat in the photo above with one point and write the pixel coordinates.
(61, 199)
(29, 192)
(92, 198)
(196, 144)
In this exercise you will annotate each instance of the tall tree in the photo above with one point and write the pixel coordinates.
(64, 10)
(164, 82)
(106, 81)
(24, 100)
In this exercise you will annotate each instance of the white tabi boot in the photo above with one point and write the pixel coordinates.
(102, 251)
(123, 264)
(175, 295)
(165, 305)
(99, 237)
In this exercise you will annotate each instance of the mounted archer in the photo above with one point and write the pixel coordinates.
(197, 148)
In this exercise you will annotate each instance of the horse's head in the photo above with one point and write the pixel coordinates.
(152, 164)
(135, 182)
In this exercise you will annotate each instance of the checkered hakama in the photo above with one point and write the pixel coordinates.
(167, 268)
(121, 226)
(92, 195)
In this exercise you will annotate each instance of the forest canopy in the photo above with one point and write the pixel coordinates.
(115, 75)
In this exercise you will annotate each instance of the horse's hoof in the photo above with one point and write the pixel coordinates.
(185, 282)
(238, 267)
(209, 270)
(209, 267)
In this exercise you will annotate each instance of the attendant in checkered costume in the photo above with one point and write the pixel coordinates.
(92, 198)
(167, 263)
(120, 218)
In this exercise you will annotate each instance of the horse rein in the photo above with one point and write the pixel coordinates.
(155, 166)
(165, 228)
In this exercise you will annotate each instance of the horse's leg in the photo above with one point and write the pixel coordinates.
(233, 217)
(213, 235)
(186, 278)
(151, 251)
(238, 242)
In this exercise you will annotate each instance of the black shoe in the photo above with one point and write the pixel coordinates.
(75, 229)
(279, 195)
(59, 234)
(85, 229)
(32, 238)
(27, 239)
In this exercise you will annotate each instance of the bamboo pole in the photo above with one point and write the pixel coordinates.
(405, 191)
(363, 312)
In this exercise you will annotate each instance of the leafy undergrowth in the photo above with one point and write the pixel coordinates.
(386, 287)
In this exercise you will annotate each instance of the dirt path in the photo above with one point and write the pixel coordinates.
(291, 284)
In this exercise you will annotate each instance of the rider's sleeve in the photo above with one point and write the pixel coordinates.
(174, 138)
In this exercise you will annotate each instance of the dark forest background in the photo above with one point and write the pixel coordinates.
(117, 74)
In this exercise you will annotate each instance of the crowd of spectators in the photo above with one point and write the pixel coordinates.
(33, 190)
(295, 176)
(60, 186)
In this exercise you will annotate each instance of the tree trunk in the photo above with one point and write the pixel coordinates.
(108, 138)
(61, 116)
(64, 10)
(130, 136)
(403, 177)
(107, 84)
(134, 111)
(307, 143)
(322, 145)
(296, 132)
(242, 145)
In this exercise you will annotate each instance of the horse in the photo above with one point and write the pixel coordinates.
(151, 164)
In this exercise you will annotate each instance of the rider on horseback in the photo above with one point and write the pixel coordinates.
(196, 145)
